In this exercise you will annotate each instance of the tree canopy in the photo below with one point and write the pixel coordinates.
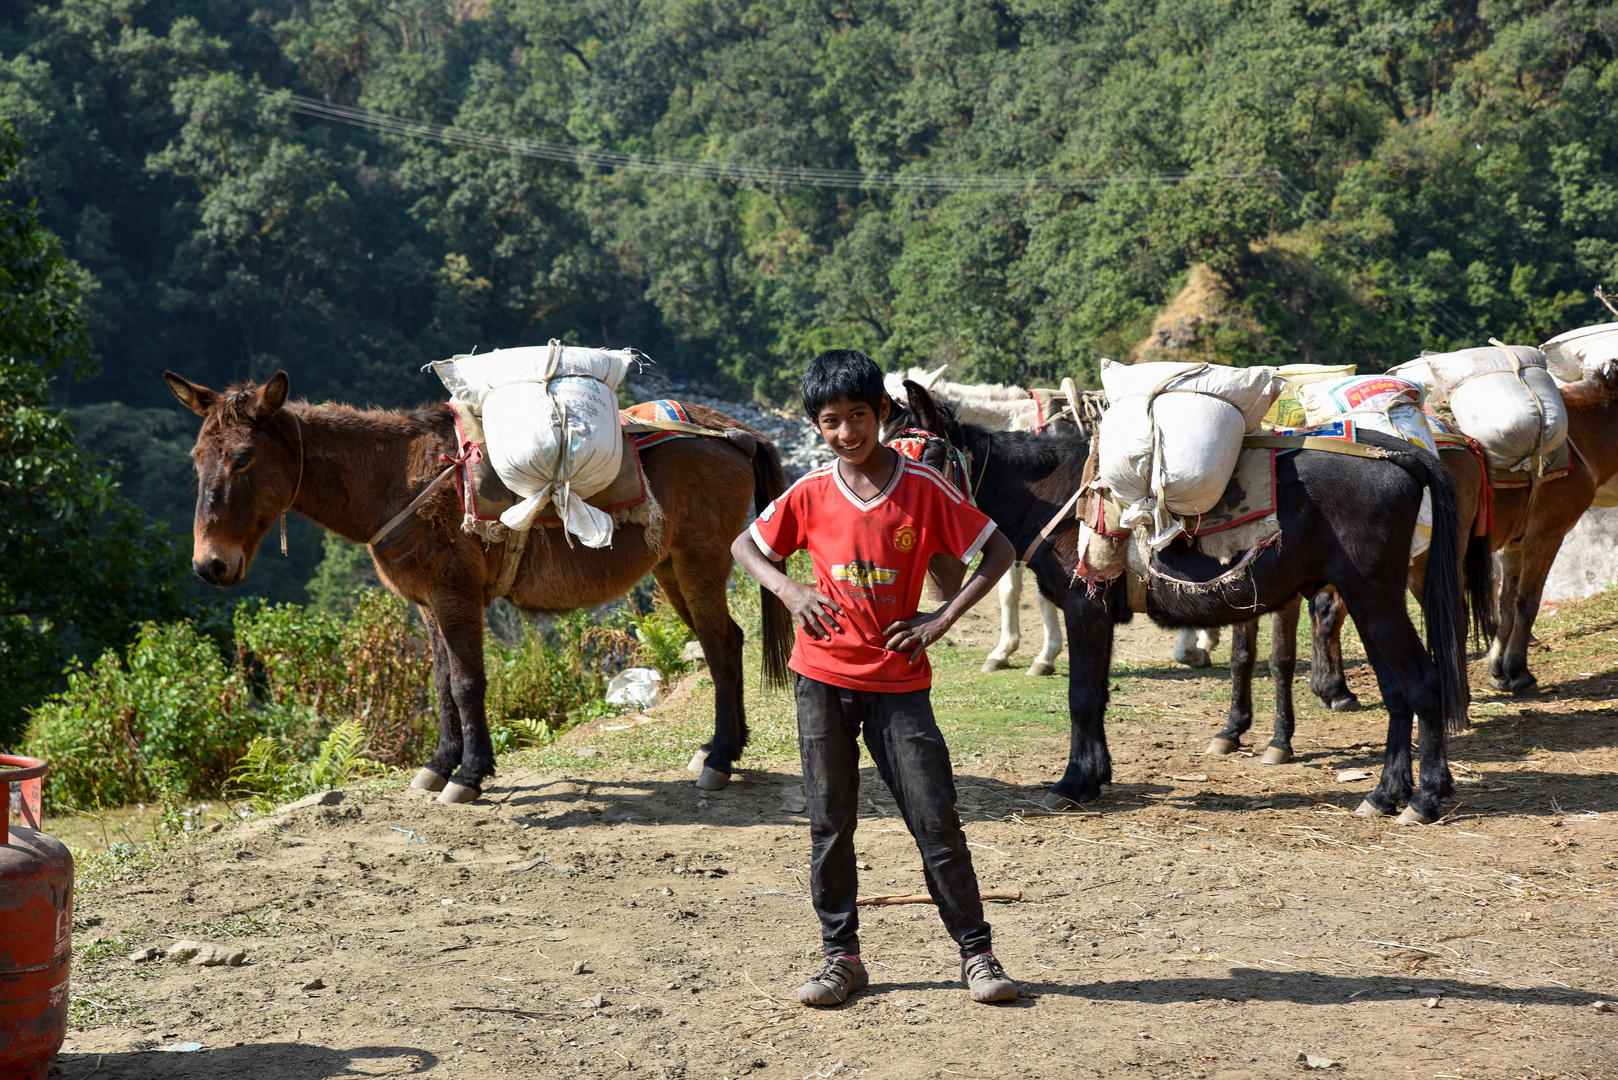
(1356, 181)
(80, 566)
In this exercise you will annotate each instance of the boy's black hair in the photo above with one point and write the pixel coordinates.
(840, 373)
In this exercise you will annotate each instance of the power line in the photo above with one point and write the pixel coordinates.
(721, 170)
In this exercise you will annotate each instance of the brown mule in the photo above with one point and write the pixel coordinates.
(352, 470)
(1527, 538)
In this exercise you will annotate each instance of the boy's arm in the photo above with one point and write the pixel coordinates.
(808, 605)
(915, 634)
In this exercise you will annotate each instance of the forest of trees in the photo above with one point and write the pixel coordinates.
(1357, 181)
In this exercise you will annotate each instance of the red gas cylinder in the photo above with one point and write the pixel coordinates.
(36, 931)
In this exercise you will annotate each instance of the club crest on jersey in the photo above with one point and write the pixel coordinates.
(904, 538)
(864, 575)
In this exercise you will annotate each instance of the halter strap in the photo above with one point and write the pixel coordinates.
(298, 424)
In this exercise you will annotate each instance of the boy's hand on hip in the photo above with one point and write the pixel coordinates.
(913, 635)
(813, 610)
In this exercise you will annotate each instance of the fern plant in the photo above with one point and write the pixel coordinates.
(663, 636)
(268, 776)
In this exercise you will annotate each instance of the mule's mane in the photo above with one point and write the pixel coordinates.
(1598, 389)
(1023, 450)
(236, 405)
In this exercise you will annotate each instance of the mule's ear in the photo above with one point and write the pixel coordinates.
(922, 407)
(271, 396)
(194, 396)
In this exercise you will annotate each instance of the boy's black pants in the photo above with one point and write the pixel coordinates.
(911, 757)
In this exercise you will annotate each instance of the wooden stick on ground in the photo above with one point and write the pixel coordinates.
(923, 898)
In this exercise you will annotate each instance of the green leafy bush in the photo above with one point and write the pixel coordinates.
(663, 636)
(318, 668)
(174, 718)
(268, 776)
(551, 680)
(170, 713)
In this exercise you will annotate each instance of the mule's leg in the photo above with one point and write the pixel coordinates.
(1045, 662)
(1243, 648)
(1089, 764)
(1189, 652)
(1208, 641)
(1435, 781)
(1402, 669)
(1522, 579)
(1326, 678)
(447, 758)
(460, 627)
(1010, 619)
(1283, 665)
(696, 588)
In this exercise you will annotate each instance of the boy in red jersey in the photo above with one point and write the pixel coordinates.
(871, 520)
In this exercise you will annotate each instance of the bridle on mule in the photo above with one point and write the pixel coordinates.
(298, 424)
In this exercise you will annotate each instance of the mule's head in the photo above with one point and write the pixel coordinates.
(249, 461)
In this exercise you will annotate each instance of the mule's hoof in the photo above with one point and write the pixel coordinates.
(1346, 703)
(699, 761)
(1222, 748)
(1060, 803)
(458, 793)
(993, 664)
(1365, 809)
(1524, 684)
(1199, 659)
(427, 780)
(1040, 667)
(713, 780)
(1276, 755)
(1411, 816)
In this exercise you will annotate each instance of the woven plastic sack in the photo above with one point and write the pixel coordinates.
(1379, 403)
(1587, 350)
(1171, 435)
(1504, 398)
(550, 417)
(1288, 411)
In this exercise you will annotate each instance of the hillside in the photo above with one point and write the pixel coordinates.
(1442, 173)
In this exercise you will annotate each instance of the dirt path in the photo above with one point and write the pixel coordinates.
(598, 917)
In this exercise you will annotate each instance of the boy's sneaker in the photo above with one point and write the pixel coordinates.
(987, 980)
(839, 977)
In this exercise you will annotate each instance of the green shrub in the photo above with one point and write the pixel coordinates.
(169, 716)
(663, 636)
(316, 669)
(268, 776)
(550, 680)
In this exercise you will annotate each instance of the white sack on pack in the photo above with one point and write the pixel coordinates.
(1589, 350)
(550, 417)
(1502, 397)
(1379, 403)
(1172, 432)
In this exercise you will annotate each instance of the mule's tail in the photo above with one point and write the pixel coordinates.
(1441, 597)
(769, 481)
(1479, 570)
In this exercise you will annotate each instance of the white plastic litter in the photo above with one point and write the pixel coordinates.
(1585, 351)
(1171, 435)
(1380, 403)
(1504, 397)
(635, 686)
(1287, 412)
(550, 417)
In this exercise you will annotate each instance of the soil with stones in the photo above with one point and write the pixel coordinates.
(1207, 918)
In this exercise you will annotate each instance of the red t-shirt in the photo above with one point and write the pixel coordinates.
(871, 558)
